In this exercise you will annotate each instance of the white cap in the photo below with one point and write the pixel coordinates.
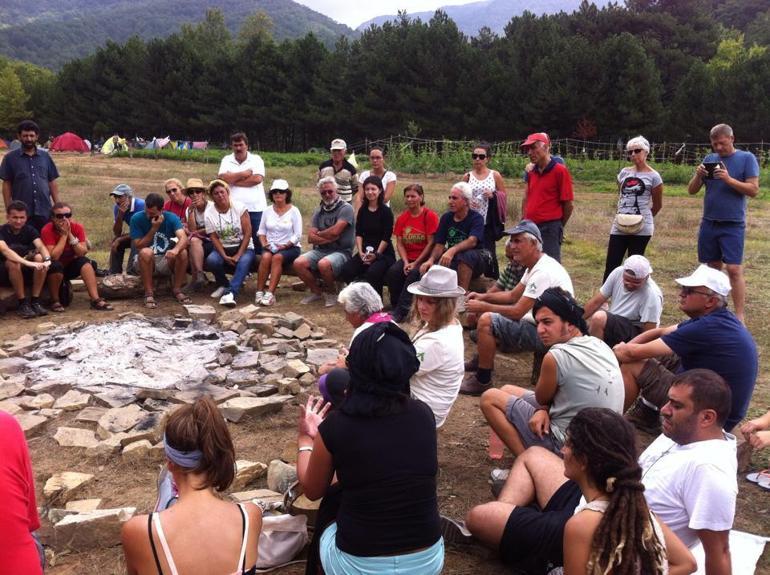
(339, 144)
(639, 266)
(279, 184)
(709, 277)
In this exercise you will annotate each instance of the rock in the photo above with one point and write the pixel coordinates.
(243, 338)
(307, 379)
(304, 506)
(137, 450)
(97, 529)
(290, 320)
(10, 407)
(56, 515)
(116, 397)
(231, 325)
(247, 472)
(31, 424)
(229, 347)
(75, 437)
(263, 389)
(42, 401)
(295, 368)
(91, 414)
(201, 312)
(284, 332)
(120, 419)
(62, 487)
(289, 386)
(217, 376)
(302, 332)
(261, 325)
(224, 359)
(19, 347)
(246, 360)
(83, 505)
(73, 400)
(275, 366)
(156, 405)
(45, 326)
(218, 394)
(183, 322)
(10, 388)
(243, 377)
(280, 476)
(134, 436)
(298, 286)
(320, 343)
(266, 496)
(149, 393)
(242, 408)
(49, 412)
(108, 446)
(317, 357)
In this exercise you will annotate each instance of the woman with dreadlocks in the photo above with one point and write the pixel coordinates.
(613, 531)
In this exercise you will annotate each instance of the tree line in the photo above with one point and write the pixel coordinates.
(668, 69)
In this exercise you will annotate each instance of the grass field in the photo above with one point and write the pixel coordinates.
(86, 182)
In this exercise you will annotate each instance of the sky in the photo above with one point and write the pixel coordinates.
(355, 12)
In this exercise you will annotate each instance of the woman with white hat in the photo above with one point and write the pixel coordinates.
(438, 341)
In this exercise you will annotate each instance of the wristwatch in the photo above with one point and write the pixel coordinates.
(74, 242)
(47, 259)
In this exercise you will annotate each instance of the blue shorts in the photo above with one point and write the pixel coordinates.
(337, 259)
(476, 259)
(288, 254)
(721, 241)
(515, 336)
(429, 561)
(518, 412)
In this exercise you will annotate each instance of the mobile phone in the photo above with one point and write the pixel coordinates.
(710, 167)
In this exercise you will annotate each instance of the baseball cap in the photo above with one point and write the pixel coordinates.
(536, 137)
(122, 190)
(338, 144)
(279, 185)
(709, 277)
(525, 226)
(638, 266)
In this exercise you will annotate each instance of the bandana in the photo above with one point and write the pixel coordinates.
(563, 305)
(186, 459)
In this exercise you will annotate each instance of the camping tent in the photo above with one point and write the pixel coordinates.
(113, 144)
(68, 142)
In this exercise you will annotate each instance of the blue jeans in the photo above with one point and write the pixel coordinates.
(552, 233)
(255, 218)
(216, 265)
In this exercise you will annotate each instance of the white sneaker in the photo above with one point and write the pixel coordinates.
(312, 298)
(330, 299)
(268, 299)
(227, 300)
(219, 292)
(258, 297)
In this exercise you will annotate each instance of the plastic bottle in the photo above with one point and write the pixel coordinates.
(496, 445)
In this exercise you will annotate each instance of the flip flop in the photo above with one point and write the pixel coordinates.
(759, 476)
(764, 482)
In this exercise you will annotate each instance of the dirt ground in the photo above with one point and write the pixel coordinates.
(463, 461)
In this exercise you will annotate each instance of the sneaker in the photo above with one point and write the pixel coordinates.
(455, 532)
(312, 298)
(497, 479)
(38, 309)
(644, 417)
(258, 297)
(219, 292)
(268, 299)
(227, 300)
(25, 310)
(330, 299)
(472, 386)
(473, 363)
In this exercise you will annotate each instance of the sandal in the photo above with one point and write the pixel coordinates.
(149, 301)
(756, 477)
(182, 297)
(57, 307)
(100, 304)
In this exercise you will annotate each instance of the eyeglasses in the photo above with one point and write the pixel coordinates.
(455, 197)
(327, 192)
(196, 191)
(62, 216)
(687, 290)
(632, 152)
(479, 156)
(172, 190)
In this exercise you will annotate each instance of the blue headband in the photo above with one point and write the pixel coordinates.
(186, 459)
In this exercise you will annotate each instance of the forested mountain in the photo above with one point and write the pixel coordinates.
(52, 32)
(493, 14)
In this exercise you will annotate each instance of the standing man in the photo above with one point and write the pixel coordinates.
(244, 173)
(126, 206)
(29, 175)
(343, 172)
(730, 176)
(548, 198)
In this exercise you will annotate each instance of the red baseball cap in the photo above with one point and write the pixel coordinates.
(536, 137)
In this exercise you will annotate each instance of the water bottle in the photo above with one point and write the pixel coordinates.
(496, 445)
(369, 253)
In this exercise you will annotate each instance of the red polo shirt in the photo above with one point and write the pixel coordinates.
(546, 191)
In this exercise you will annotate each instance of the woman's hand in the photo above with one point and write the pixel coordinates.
(488, 194)
(408, 268)
(311, 415)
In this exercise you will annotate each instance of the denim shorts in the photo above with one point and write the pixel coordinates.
(515, 336)
(721, 242)
(337, 259)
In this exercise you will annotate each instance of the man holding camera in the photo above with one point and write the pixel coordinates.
(730, 177)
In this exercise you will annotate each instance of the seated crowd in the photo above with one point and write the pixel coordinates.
(577, 498)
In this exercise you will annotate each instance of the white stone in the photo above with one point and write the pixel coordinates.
(31, 424)
(201, 312)
(75, 437)
(73, 400)
(247, 472)
(295, 368)
(91, 414)
(280, 475)
(83, 505)
(137, 450)
(120, 419)
(97, 529)
(10, 388)
(246, 360)
(242, 408)
(42, 401)
(62, 487)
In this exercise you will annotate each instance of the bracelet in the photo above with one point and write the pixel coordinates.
(47, 259)
(74, 242)
(305, 448)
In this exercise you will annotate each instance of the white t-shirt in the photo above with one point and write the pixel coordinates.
(636, 193)
(642, 305)
(387, 177)
(693, 486)
(281, 229)
(546, 273)
(226, 225)
(442, 367)
(253, 197)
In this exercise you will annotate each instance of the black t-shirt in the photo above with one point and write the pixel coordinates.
(375, 227)
(387, 469)
(21, 243)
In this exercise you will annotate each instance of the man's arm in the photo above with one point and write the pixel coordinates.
(146, 240)
(251, 180)
(630, 352)
(593, 304)
(696, 182)
(235, 178)
(648, 325)
(566, 208)
(7, 188)
(182, 237)
(53, 187)
(332, 233)
(716, 547)
(748, 188)
(653, 334)
(41, 249)
(11, 255)
(548, 382)
(510, 304)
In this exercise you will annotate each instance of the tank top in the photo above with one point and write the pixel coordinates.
(479, 202)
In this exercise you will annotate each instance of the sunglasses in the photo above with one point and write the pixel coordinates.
(172, 190)
(279, 191)
(62, 216)
(687, 290)
(479, 156)
(632, 152)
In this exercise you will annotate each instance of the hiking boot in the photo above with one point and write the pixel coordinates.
(25, 310)
(311, 298)
(473, 363)
(38, 309)
(644, 417)
(455, 532)
(472, 386)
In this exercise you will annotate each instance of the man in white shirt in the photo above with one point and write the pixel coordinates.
(636, 303)
(505, 317)
(244, 173)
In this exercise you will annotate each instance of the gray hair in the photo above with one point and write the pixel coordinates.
(720, 298)
(360, 298)
(326, 180)
(721, 130)
(533, 238)
(638, 142)
(465, 190)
